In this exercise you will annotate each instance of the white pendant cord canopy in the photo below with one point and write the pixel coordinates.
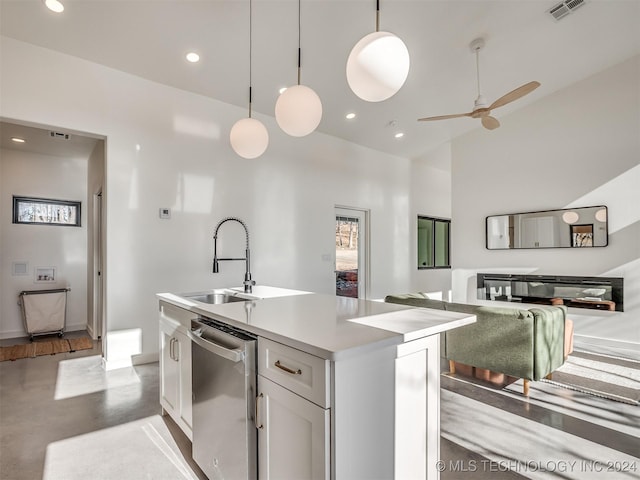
(378, 64)
(249, 137)
(298, 109)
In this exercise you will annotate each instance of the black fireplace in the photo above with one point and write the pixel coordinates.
(600, 293)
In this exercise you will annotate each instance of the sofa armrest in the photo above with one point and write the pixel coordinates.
(501, 340)
(568, 337)
(549, 335)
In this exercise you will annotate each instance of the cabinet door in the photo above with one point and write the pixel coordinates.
(169, 371)
(182, 353)
(293, 441)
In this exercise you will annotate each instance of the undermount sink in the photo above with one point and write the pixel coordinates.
(215, 298)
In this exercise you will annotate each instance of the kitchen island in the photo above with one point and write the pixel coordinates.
(346, 388)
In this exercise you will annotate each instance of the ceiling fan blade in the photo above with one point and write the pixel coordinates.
(444, 117)
(515, 94)
(490, 123)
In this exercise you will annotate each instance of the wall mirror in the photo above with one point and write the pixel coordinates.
(569, 227)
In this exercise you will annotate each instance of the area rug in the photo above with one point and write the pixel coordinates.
(49, 347)
(602, 376)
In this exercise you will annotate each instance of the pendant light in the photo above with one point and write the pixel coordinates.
(298, 108)
(378, 64)
(249, 137)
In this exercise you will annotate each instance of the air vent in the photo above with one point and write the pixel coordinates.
(563, 9)
(59, 135)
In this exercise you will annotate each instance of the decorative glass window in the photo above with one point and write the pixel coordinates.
(433, 242)
(44, 211)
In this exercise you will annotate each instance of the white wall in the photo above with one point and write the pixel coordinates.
(431, 197)
(46, 176)
(577, 147)
(169, 148)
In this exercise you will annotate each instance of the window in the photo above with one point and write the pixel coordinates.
(433, 242)
(44, 211)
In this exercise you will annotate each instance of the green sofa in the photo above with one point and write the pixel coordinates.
(518, 342)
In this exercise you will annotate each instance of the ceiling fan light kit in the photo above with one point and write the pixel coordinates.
(481, 109)
(298, 109)
(378, 64)
(249, 138)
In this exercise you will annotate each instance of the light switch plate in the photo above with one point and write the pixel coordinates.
(165, 213)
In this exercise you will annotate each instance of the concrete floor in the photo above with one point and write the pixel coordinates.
(62, 417)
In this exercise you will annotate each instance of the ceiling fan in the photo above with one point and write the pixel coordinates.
(481, 109)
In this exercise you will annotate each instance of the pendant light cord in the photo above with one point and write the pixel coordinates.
(299, 48)
(250, 52)
(377, 15)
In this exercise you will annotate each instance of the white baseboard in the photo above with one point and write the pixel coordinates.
(127, 362)
(145, 358)
(22, 333)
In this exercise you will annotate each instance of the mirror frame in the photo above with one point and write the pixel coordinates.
(575, 238)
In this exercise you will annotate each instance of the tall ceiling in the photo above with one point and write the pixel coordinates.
(149, 38)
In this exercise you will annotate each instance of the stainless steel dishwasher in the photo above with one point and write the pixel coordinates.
(225, 439)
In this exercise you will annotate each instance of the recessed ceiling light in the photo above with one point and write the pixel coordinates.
(193, 57)
(282, 90)
(54, 6)
(18, 140)
(350, 116)
(399, 135)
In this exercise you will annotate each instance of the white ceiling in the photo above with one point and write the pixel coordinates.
(149, 38)
(65, 144)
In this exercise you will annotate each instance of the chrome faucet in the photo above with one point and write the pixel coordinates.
(248, 283)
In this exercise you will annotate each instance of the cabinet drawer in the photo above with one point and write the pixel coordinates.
(298, 371)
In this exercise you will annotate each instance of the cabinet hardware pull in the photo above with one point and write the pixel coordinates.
(287, 369)
(259, 425)
(177, 350)
(171, 348)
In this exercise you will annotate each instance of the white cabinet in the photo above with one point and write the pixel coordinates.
(539, 232)
(175, 365)
(293, 435)
(293, 432)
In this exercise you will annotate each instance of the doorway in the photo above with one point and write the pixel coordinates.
(74, 166)
(351, 269)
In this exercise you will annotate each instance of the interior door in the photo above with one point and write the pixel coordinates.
(98, 324)
(351, 252)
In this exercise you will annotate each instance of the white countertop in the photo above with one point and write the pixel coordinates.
(325, 325)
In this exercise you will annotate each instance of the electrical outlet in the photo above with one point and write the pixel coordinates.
(165, 213)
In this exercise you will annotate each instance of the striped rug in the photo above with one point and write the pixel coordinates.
(600, 375)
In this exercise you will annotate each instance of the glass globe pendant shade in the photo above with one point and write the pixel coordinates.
(249, 138)
(378, 66)
(298, 110)
(570, 217)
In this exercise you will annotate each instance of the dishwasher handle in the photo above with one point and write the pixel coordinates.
(235, 355)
